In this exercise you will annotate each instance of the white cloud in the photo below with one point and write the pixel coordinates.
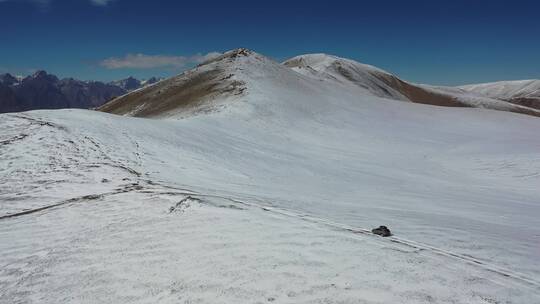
(142, 61)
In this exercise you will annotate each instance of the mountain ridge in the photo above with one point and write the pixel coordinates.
(45, 91)
(521, 92)
(384, 84)
(335, 72)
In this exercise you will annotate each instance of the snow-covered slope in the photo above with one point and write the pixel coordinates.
(269, 196)
(523, 92)
(507, 89)
(383, 84)
(331, 68)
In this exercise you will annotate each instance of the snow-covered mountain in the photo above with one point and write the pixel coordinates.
(522, 92)
(383, 84)
(268, 194)
(197, 89)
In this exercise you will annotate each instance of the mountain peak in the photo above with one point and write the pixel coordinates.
(128, 84)
(231, 55)
(238, 52)
(322, 61)
(40, 74)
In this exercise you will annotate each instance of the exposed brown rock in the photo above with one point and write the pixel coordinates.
(187, 91)
(421, 95)
(531, 102)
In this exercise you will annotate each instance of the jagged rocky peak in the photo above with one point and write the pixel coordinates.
(239, 52)
(230, 55)
(39, 73)
(150, 81)
(42, 75)
(128, 84)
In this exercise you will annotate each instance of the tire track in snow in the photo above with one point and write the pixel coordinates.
(131, 187)
(304, 217)
(394, 239)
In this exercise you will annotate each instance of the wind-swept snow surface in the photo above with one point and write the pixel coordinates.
(130, 248)
(268, 197)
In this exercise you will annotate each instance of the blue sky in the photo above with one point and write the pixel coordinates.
(436, 42)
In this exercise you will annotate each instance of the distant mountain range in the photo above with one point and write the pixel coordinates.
(45, 91)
